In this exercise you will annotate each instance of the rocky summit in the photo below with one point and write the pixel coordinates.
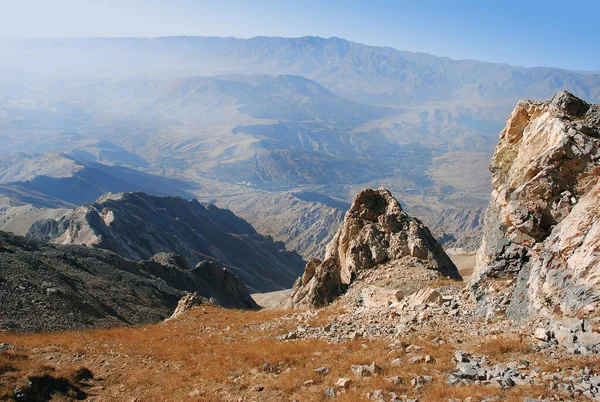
(375, 230)
(138, 225)
(540, 245)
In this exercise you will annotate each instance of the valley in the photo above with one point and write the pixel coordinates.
(294, 219)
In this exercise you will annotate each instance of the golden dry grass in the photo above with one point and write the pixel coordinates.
(504, 347)
(211, 354)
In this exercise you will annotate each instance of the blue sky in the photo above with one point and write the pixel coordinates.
(526, 33)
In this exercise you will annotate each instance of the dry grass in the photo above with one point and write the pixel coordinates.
(504, 347)
(213, 354)
(326, 315)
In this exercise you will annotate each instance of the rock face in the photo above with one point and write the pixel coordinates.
(540, 247)
(47, 287)
(375, 230)
(137, 226)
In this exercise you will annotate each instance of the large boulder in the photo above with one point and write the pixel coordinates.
(375, 230)
(541, 236)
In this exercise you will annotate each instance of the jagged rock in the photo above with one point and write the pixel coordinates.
(186, 303)
(541, 226)
(375, 230)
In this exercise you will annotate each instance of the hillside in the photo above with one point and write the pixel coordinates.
(138, 226)
(59, 180)
(53, 288)
(304, 221)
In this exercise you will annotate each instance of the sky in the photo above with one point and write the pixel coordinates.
(525, 33)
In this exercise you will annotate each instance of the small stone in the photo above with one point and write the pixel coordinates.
(461, 357)
(541, 334)
(258, 388)
(397, 362)
(329, 392)
(396, 380)
(588, 338)
(420, 381)
(415, 360)
(343, 383)
(467, 370)
(323, 370)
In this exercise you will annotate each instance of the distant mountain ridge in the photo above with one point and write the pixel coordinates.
(59, 180)
(369, 73)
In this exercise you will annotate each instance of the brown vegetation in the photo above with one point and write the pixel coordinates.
(212, 354)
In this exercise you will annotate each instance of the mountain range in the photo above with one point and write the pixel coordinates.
(264, 117)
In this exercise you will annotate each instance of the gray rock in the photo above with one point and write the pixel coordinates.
(588, 338)
(467, 370)
(542, 334)
(323, 370)
(329, 392)
(377, 219)
(415, 359)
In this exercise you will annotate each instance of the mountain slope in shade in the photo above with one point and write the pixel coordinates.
(59, 180)
(137, 226)
(47, 287)
(305, 221)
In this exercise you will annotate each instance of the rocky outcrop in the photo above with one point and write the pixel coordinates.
(375, 230)
(539, 253)
(187, 303)
(46, 287)
(138, 226)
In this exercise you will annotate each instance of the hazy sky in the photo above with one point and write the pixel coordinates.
(527, 33)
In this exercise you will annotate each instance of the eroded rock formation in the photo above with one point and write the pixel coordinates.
(375, 230)
(541, 236)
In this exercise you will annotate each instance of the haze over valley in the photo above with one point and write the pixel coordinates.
(252, 119)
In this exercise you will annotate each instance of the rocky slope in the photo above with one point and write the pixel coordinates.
(305, 221)
(137, 226)
(541, 234)
(375, 230)
(51, 287)
(18, 219)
